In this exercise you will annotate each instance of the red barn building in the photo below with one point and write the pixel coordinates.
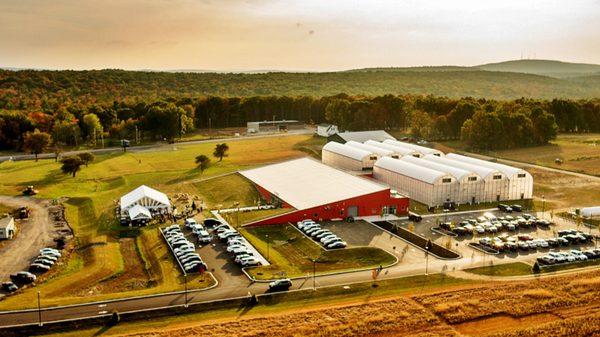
(312, 190)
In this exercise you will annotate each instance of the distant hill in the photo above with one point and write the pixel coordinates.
(415, 69)
(550, 68)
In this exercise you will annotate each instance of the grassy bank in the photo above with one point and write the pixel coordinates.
(506, 269)
(292, 254)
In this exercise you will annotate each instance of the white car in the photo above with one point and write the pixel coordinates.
(50, 251)
(239, 258)
(231, 248)
(204, 237)
(184, 251)
(479, 229)
(250, 262)
(303, 223)
(311, 226)
(227, 234)
(241, 250)
(235, 240)
(49, 257)
(189, 222)
(579, 255)
(331, 240)
(327, 237)
(323, 234)
(312, 230)
(337, 244)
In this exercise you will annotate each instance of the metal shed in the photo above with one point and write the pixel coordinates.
(495, 183)
(520, 182)
(399, 151)
(425, 185)
(469, 187)
(418, 148)
(347, 157)
(373, 149)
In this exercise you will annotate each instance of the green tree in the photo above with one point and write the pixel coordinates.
(221, 151)
(86, 157)
(92, 126)
(544, 126)
(338, 112)
(203, 162)
(71, 165)
(36, 142)
(420, 124)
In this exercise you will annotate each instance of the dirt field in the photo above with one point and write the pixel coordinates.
(556, 306)
(564, 191)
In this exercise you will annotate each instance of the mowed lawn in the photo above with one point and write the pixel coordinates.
(291, 254)
(90, 199)
(579, 153)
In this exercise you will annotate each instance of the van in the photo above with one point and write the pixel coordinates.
(414, 217)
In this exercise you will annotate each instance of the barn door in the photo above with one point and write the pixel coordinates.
(353, 211)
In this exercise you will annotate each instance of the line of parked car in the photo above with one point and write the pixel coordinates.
(240, 250)
(525, 242)
(200, 231)
(489, 223)
(574, 255)
(183, 250)
(42, 263)
(323, 236)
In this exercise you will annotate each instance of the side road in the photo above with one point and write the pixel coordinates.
(18, 157)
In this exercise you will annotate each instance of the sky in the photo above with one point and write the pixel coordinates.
(230, 35)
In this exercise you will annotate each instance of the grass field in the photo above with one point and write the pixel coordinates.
(505, 269)
(241, 218)
(291, 254)
(579, 153)
(97, 259)
(413, 306)
(5, 209)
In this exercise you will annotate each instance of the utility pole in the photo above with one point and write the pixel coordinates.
(39, 310)
(427, 249)
(314, 261)
(186, 290)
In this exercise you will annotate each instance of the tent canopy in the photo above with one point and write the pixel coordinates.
(138, 212)
(145, 196)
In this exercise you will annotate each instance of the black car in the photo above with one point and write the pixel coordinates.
(9, 286)
(516, 208)
(414, 217)
(280, 285)
(23, 277)
(211, 222)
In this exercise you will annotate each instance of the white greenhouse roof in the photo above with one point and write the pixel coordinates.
(305, 183)
(410, 170)
(396, 149)
(346, 150)
(458, 173)
(482, 171)
(370, 148)
(589, 212)
(144, 192)
(421, 149)
(507, 170)
(139, 212)
(363, 136)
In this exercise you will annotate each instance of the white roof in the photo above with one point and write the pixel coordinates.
(363, 136)
(397, 149)
(482, 171)
(421, 149)
(139, 212)
(305, 183)
(507, 170)
(591, 211)
(370, 148)
(346, 150)
(410, 170)
(144, 192)
(458, 173)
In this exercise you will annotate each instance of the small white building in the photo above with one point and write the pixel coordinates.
(425, 185)
(7, 227)
(591, 212)
(380, 152)
(399, 151)
(326, 130)
(143, 201)
(423, 150)
(347, 157)
(520, 182)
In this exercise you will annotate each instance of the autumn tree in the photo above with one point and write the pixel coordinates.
(86, 157)
(36, 142)
(203, 162)
(93, 127)
(71, 165)
(221, 151)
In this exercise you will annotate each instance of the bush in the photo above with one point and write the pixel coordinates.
(536, 268)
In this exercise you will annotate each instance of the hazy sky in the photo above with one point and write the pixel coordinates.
(292, 35)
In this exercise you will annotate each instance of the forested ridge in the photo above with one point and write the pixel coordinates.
(73, 107)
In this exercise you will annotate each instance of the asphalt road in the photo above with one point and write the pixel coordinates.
(33, 234)
(18, 157)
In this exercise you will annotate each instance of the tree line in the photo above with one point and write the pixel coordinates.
(484, 123)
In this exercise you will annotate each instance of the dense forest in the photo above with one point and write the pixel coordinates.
(69, 108)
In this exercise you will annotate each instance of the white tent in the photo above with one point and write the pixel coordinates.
(138, 212)
(149, 198)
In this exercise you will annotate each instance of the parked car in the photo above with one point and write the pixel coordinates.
(311, 226)
(230, 248)
(10, 287)
(312, 230)
(303, 223)
(327, 237)
(50, 251)
(414, 217)
(211, 222)
(189, 222)
(516, 208)
(280, 285)
(39, 267)
(229, 234)
(23, 277)
(562, 241)
(204, 236)
(239, 258)
(317, 232)
(323, 234)
(331, 240)
(249, 262)
(337, 244)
